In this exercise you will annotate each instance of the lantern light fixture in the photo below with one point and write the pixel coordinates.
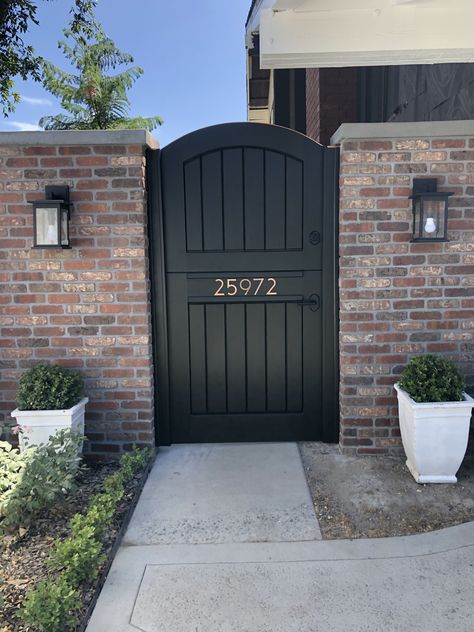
(51, 218)
(430, 210)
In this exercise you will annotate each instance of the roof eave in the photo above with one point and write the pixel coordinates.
(253, 19)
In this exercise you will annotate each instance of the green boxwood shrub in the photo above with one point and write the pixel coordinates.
(429, 378)
(52, 606)
(79, 557)
(49, 387)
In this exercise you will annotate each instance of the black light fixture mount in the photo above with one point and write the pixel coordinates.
(51, 218)
(430, 210)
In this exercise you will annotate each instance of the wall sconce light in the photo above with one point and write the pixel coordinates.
(430, 211)
(51, 218)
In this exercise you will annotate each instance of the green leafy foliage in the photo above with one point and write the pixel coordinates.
(81, 13)
(429, 378)
(80, 556)
(49, 387)
(53, 606)
(133, 462)
(103, 505)
(98, 517)
(101, 510)
(17, 58)
(92, 98)
(35, 480)
(12, 464)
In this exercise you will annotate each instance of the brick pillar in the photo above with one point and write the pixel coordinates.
(87, 307)
(397, 298)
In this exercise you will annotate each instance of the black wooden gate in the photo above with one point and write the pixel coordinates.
(243, 251)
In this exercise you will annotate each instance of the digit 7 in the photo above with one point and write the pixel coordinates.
(261, 280)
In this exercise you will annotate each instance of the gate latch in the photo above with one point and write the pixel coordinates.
(312, 302)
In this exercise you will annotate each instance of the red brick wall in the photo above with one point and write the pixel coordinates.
(312, 104)
(331, 99)
(397, 298)
(87, 307)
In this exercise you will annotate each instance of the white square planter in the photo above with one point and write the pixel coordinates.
(39, 425)
(434, 436)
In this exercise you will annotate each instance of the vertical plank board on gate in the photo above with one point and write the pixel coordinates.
(216, 359)
(193, 209)
(276, 357)
(275, 198)
(294, 355)
(254, 199)
(236, 358)
(256, 357)
(233, 195)
(294, 204)
(212, 201)
(197, 358)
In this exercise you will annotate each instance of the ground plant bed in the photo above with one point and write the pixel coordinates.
(23, 559)
(376, 497)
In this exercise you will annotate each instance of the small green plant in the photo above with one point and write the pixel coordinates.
(49, 387)
(132, 462)
(36, 480)
(12, 463)
(80, 556)
(104, 504)
(429, 378)
(100, 513)
(52, 606)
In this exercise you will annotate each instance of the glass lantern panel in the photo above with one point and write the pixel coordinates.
(433, 219)
(64, 228)
(46, 226)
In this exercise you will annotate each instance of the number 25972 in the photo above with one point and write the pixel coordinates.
(250, 286)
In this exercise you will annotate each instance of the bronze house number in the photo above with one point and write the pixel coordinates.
(247, 286)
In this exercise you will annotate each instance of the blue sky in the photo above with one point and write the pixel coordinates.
(192, 52)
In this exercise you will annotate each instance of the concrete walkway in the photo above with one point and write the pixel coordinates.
(224, 539)
(215, 493)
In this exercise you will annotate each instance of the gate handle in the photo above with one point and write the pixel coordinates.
(313, 302)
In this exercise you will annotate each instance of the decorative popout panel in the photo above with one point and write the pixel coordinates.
(243, 199)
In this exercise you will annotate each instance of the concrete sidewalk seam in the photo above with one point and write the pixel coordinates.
(318, 559)
(139, 587)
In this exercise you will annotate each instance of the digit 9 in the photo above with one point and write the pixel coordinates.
(245, 285)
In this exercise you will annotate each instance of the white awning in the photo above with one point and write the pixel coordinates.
(336, 33)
